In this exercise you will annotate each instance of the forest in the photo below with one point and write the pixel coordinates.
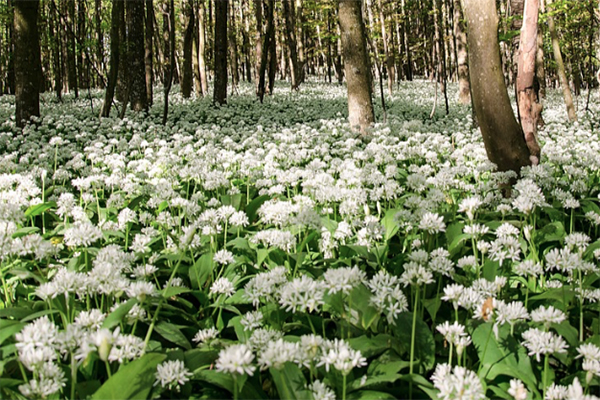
(300, 199)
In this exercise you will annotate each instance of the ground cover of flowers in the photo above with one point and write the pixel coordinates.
(265, 251)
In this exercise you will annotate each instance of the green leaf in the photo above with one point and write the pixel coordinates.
(290, 382)
(370, 395)
(28, 230)
(552, 232)
(174, 291)
(115, 317)
(201, 270)
(172, 333)
(252, 208)
(424, 343)
(39, 209)
(390, 224)
(249, 389)
(373, 346)
(200, 358)
(359, 301)
(455, 237)
(9, 328)
(38, 314)
(132, 381)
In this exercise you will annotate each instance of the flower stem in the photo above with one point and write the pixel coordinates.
(412, 338)
(545, 377)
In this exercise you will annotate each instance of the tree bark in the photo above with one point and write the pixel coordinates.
(464, 87)
(233, 48)
(202, 49)
(356, 62)
(502, 135)
(220, 85)
(560, 66)
(115, 54)
(290, 37)
(264, 48)
(388, 50)
(169, 38)
(188, 41)
(54, 23)
(70, 45)
(529, 109)
(149, 50)
(27, 61)
(138, 96)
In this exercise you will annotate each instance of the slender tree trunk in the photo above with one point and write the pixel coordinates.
(196, 63)
(233, 48)
(387, 49)
(272, 55)
(149, 53)
(27, 61)
(121, 88)
(220, 86)
(246, 41)
(115, 54)
(80, 34)
(70, 37)
(529, 109)
(202, 49)
(99, 37)
(264, 49)
(440, 51)
(339, 70)
(464, 88)
(188, 38)
(540, 72)
(560, 66)
(502, 135)
(357, 68)
(11, 53)
(408, 72)
(169, 37)
(55, 41)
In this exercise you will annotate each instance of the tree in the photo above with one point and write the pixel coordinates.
(560, 66)
(502, 135)
(220, 89)
(188, 41)
(356, 65)
(149, 54)
(136, 56)
(290, 37)
(115, 55)
(464, 88)
(27, 60)
(529, 109)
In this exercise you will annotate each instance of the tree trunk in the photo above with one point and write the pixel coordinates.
(136, 56)
(220, 85)
(202, 49)
(115, 54)
(272, 54)
(70, 44)
(80, 34)
(246, 41)
(290, 38)
(149, 53)
(99, 37)
(540, 72)
(529, 109)
(560, 66)
(502, 135)
(169, 38)
(55, 42)
(263, 49)
(357, 68)
(388, 49)
(233, 48)
(188, 41)
(11, 47)
(440, 50)
(121, 88)
(464, 88)
(27, 61)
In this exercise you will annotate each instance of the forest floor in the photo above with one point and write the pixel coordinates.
(266, 251)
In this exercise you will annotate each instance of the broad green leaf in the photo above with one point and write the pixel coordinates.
(115, 317)
(552, 232)
(39, 209)
(132, 381)
(27, 230)
(254, 205)
(38, 314)
(424, 343)
(9, 328)
(174, 291)
(172, 333)
(200, 358)
(370, 395)
(359, 298)
(390, 224)
(201, 270)
(371, 346)
(249, 389)
(289, 381)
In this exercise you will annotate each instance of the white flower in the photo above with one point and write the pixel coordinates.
(469, 206)
(341, 356)
(82, 234)
(320, 391)
(457, 384)
(224, 257)
(547, 315)
(517, 390)
(141, 290)
(343, 279)
(51, 379)
(236, 359)
(172, 374)
(222, 286)
(432, 223)
(252, 320)
(415, 274)
(540, 342)
(303, 294)
(205, 335)
(276, 353)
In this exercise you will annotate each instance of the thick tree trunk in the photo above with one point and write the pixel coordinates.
(188, 38)
(115, 54)
(136, 56)
(529, 109)
(540, 72)
(560, 66)
(464, 87)
(220, 89)
(502, 135)
(149, 50)
(272, 56)
(27, 61)
(356, 61)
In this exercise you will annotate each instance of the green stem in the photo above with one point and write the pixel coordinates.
(344, 387)
(545, 377)
(73, 376)
(412, 338)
